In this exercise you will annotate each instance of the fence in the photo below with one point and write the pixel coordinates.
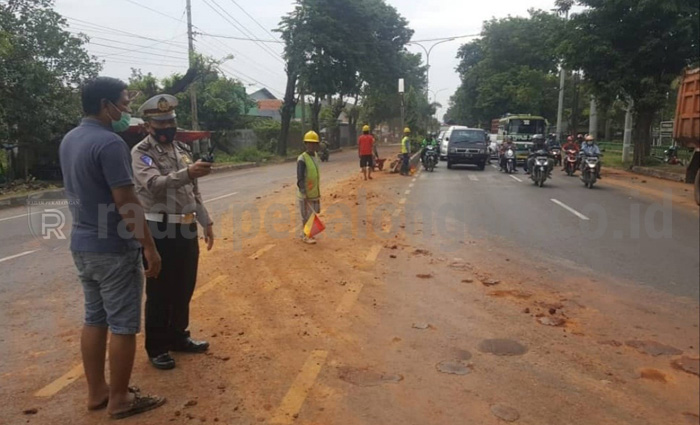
(613, 148)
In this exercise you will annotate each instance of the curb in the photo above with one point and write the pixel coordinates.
(233, 167)
(19, 201)
(659, 174)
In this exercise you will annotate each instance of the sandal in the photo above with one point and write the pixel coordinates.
(132, 389)
(140, 404)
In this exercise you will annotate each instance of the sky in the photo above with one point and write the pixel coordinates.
(152, 35)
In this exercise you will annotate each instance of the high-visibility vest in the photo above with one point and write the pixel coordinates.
(313, 177)
(405, 145)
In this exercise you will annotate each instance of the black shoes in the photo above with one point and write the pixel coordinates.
(191, 346)
(163, 362)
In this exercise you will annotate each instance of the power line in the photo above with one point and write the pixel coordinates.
(131, 51)
(231, 37)
(254, 20)
(444, 38)
(114, 31)
(154, 10)
(226, 50)
(242, 29)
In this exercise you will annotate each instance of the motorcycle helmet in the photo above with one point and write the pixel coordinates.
(590, 139)
(570, 139)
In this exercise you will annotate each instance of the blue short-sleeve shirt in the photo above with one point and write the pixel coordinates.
(95, 160)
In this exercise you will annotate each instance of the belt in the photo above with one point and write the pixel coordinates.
(171, 218)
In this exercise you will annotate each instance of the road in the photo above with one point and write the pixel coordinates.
(606, 230)
(409, 284)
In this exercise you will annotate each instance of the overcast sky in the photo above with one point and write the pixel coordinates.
(126, 35)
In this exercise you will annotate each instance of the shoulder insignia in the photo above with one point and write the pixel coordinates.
(143, 146)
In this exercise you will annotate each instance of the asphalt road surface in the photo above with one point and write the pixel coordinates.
(605, 229)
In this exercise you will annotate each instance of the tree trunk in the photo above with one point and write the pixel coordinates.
(287, 113)
(642, 135)
(315, 112)
(608, 128)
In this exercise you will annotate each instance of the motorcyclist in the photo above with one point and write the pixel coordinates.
(570, 145)
(507, 144)
(590, 148)
(428, 141)
(539, 144)
(580, 140)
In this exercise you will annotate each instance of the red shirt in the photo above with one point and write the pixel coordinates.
(365, 143)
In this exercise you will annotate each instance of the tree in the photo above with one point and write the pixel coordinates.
(512, 68)
(41, 68)
(635, 49)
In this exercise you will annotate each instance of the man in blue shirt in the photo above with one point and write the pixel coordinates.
(590, 148)
(109, 232)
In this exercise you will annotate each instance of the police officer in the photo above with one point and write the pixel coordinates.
(166, 184)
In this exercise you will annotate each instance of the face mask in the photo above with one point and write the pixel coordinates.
(164, 135)
(123, 123)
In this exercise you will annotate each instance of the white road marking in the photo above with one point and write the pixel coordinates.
(402, 201)
(473, 177)
(22, 254)
(411, 185)
(352, 293)
(292, 402)
(408, 192)
(396, 213)
(422, 176)
(28, 214)
(261, 251)
(373, 253)
(571, 210)
(220, 197)
(494, 166)
(515, 178)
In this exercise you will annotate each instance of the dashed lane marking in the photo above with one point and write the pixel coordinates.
(402, 201)
(71, 376)
(569, 209)
(297, 393)
(411, 185)
(77, 371)
(208, 286)
(221, 197)
(349, 298)
(21, 254)
(373, 253)
(515, 178)
(473, 177)
(407, 192)
(261, 251)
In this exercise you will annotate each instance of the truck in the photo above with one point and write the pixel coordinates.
(686, 128)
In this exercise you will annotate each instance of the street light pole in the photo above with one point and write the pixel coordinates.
(560, 108)
(427, 58)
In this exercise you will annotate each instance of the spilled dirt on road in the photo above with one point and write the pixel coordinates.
(381, 323)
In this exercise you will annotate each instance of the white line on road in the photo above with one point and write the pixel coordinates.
(408, 192)
(515, 178)
(571, 210)
(22, 254)
(473, 177)
(411, 185)
(494, 166)
(220, 197)
(402, 201)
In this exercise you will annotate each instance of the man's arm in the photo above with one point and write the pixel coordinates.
(149, 176)
(301, 176)
(132, 213)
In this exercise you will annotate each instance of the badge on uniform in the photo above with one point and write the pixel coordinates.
(186, 159)
(147, 160)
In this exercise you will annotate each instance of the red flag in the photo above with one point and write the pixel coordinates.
(313, 226)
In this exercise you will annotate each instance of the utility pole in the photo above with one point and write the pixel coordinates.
(193, 89)
(593, 119)
(560, 108)
(627, 140)
(302, 100)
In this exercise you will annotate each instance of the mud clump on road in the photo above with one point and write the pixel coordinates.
(424, 276)
(367, 378)
(510, 293)
(505, 413)
(653, 375)
(687, 364)
(502, 347)
(653, 348)
(453, 367)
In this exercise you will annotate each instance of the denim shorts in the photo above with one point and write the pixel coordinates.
(113, 288)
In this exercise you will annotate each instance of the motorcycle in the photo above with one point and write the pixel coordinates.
(540, 168)
(671, 155)
(510, 161)
(588, 172)
(571, 162)
(430, 158)
(324, 154)
(556, 153)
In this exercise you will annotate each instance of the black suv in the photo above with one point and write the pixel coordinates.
(466, 146)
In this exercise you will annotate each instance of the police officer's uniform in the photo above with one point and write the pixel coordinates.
(173, 207)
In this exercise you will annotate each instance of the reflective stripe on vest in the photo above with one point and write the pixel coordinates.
(313, 176)
(404, 145)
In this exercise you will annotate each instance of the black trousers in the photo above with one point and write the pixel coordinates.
(168, 296)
